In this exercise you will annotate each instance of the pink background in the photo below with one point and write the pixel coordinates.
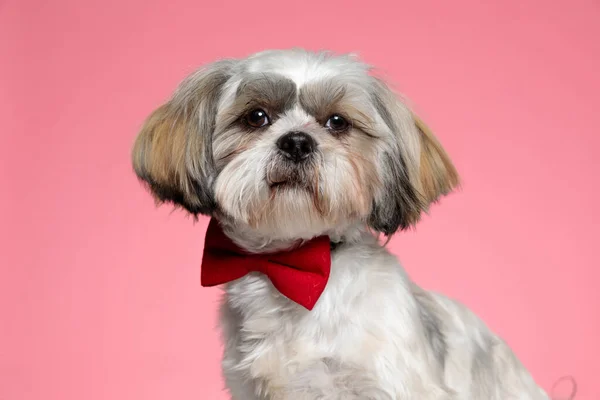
(99, 291)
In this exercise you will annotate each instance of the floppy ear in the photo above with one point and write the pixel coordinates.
(415, 169)
(172, 153)
(437, 174)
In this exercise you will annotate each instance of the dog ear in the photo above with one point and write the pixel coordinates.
(415, 169)
(437, 174)
(172, 153)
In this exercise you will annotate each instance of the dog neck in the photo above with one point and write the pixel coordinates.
(252, 241)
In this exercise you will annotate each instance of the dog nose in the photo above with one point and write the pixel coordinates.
(296, 146)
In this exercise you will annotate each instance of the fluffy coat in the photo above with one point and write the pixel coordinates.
(369, 166)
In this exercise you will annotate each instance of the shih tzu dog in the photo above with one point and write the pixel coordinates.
(301, 159)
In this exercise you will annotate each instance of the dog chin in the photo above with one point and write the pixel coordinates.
(290, 213)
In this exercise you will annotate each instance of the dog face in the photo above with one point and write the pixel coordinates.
(292, 144)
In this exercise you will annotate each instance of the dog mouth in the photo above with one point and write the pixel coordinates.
(285, 184)
(282, 184)
(284, 177)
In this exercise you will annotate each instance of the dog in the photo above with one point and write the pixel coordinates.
(296, 154)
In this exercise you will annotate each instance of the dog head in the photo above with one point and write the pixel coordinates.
(292, 144)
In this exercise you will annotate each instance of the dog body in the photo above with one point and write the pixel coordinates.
(285, 146)
(373, 334)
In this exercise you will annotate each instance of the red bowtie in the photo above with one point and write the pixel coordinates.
(300, 274)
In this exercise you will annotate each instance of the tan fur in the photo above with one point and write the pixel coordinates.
(171, 154)
(365, 182)
(438, 175)
(159, 152)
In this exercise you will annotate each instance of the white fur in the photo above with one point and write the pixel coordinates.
(363, 340)
(374, 334)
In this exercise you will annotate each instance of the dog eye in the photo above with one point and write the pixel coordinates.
(337, 123)
(257, 118)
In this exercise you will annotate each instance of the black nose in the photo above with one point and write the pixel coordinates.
(296, 145)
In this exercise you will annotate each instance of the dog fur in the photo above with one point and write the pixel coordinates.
(373, 334)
